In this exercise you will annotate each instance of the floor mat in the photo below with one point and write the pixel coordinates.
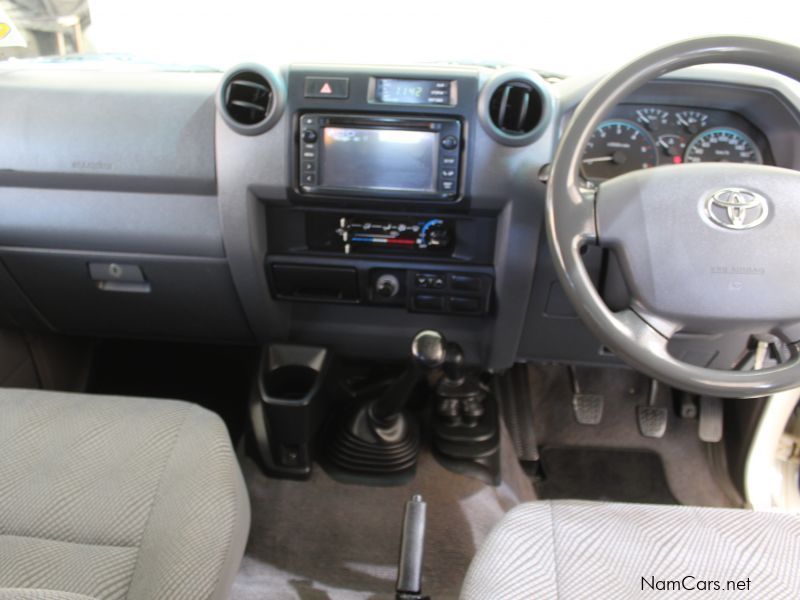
(685, 459)
(324, 540)
(603, 474)
(215, 377)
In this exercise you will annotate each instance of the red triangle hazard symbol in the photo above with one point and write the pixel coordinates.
(326, 88)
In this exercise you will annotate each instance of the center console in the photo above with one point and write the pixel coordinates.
(379, 197)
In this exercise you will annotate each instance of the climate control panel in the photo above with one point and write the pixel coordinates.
(408, 234)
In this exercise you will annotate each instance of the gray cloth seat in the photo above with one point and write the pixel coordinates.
(106, 497)
(574, 549)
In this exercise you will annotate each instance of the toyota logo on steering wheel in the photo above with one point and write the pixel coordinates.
(736, 208)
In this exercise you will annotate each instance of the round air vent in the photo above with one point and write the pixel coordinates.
(251, 99)
(515, 107)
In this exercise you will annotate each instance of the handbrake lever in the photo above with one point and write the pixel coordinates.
(412, 549)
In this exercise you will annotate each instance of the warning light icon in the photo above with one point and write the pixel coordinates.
(326, 88)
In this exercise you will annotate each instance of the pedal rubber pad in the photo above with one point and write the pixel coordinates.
(652, 421)
(709, 428)
(588, 408)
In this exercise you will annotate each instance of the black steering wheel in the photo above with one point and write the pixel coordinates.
(708, 248)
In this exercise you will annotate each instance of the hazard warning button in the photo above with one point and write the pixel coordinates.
(327, 87)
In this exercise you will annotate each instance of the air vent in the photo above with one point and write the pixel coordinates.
(515, 106)
(247, 98)
(251, 98)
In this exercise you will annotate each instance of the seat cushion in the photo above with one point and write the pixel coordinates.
(573, 549)
(108, 497)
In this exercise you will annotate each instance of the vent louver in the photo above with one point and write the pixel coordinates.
(516, 108)
(248, 97)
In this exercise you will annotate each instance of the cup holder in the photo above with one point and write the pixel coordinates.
(286, 407)
(290, 382)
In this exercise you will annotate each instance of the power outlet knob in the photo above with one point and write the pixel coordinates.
(387, 286)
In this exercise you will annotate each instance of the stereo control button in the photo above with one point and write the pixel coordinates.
(449, 142)
(448, 186)
(448, 161)
(308, 166)
(309, 178)
(309, 136)
(449, 173)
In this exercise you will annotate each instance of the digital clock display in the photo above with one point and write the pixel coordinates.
(412, 91)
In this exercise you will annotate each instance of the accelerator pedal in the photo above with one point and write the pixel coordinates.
(709, 429)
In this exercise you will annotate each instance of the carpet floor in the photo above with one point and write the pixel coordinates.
(325, 540)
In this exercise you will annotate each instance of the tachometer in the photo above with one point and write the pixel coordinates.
(616, 147)
(723, 144)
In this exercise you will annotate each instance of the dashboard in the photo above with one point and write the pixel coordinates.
(347, 206)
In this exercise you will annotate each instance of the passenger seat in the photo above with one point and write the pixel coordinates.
(105, 498)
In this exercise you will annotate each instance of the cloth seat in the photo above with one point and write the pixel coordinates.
(575, 549)
(105, 498)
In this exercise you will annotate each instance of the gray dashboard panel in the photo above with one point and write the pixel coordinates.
(97, 130)
(112, 221)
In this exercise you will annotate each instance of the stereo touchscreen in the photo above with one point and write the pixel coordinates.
(379, 159)
(379, 156)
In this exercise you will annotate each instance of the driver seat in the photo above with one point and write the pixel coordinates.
(576, 549)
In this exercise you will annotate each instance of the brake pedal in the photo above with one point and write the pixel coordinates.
(587, 408)
(709, 429)
(652, 419)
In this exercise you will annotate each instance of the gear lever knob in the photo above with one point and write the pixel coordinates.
(428, 349)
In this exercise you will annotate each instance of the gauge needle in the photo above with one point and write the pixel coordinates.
(596, 159)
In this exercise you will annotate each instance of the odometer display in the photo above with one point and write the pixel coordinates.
(618, 146)
(723, 144)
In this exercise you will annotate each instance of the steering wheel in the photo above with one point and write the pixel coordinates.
(706, 248)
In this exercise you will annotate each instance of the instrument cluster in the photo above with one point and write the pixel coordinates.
(645, 136)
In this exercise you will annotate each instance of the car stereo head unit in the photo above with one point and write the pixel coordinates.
(376, 156)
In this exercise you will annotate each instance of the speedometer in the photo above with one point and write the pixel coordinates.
(617, 147)
(723, 144)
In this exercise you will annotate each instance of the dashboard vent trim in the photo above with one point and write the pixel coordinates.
(251, 99)
(515, 107)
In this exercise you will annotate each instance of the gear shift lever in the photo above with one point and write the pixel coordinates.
(381, 437)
